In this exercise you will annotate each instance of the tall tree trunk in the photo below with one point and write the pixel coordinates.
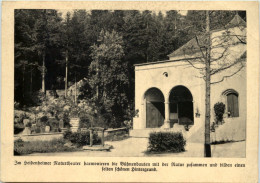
(23, 80)
(44, 51)
(43, 73)
(207, 149)
(147, 60)
(66, 75)
(97, 89)
(75, 88)
(31, 81)
(175, 25)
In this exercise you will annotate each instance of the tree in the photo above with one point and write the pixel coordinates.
(66, 35)
(47, 40)
(80, 42)
(26, 59)
(37, 47)
(207, 60)
(108, 77)
(213, 54)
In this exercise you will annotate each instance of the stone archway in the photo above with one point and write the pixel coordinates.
(181, 106)
(154, 108)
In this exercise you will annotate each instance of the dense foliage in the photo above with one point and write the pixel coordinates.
(108, 77)
(166, 142)
(219, 109)
(57, 145)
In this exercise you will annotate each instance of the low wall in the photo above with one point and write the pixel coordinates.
(51, 136)
(234, 129)
(39, 137)
(110, 132)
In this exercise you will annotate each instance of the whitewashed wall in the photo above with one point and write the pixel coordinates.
(181, 73)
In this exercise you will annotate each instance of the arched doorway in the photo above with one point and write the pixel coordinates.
(154, 102)
(181, 106)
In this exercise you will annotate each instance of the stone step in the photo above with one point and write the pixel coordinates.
(106, 147)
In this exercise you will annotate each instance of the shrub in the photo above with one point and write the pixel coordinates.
(18, 128)
(219, 109)
(38, 97)
(56, 145)
(29, 124)
(37, 130)
(19, 116)
(166, 142)
(81, 138)
(85, 120)
(54, 124)
(44, 119)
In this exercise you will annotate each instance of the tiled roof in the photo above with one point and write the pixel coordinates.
(236, 21)
(192, 46)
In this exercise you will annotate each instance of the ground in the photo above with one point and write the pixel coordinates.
(136, 147)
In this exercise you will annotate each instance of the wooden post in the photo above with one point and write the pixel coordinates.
(91, 137)
(102, 137)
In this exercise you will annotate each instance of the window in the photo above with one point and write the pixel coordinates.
(232, 104)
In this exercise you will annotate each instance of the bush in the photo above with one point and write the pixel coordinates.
(19, 116)
(54, 124)
(18, 128)
(219, 109)
(29, 124)
(85, 120)
(81, 138)
(166, 142)
(56, 145)
(44, 119)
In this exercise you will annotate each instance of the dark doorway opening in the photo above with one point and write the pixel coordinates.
(181, 106)
(154, 108)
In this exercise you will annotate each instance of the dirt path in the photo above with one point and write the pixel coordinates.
(136, 147)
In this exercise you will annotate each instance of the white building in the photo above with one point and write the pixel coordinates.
(170, 95)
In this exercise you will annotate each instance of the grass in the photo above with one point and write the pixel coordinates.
(56, 145)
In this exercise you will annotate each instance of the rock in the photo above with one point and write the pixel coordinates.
(66, 108)
(69, 144)
(64, 130)
(61, 124)
(106, 147)
(27, 131)
(26, 121)
(47, 129)
(74, 122)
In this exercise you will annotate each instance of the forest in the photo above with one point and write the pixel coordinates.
(54, 50)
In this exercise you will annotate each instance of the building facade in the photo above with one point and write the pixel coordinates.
(170, 95)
